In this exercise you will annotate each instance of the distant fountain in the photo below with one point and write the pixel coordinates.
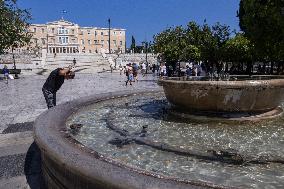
(236, 97)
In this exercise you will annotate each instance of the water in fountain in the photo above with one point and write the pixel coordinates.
(138, 132)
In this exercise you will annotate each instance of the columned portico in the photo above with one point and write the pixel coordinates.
(63, 50)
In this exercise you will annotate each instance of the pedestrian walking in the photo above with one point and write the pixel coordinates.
(129, 75)
(120, 69)
(74, 61)
(135, 72)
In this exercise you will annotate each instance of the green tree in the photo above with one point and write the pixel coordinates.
(13, 26)
(133, 44)
(193, 43)
(239, 50)
(263, 23)
(170, 44)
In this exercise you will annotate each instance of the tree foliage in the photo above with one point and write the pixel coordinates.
(192, 43)
(133, 44)
(13, 25)
(263, 23)
(238, 49)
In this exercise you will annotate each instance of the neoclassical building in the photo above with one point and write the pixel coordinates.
(65, 37)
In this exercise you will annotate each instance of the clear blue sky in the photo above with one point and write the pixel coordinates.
(141, 18)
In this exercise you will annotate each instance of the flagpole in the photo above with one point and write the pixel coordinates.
(62, 14)
(109, 36)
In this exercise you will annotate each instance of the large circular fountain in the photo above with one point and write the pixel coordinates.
(132, 140)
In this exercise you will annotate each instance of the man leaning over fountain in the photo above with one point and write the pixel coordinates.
(54, 82)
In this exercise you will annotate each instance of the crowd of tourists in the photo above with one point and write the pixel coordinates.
(131, 71)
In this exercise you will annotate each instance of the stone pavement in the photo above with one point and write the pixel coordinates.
(21, 101)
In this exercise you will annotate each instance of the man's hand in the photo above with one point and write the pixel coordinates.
(71, 67)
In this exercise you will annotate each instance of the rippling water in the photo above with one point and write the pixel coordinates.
(130, 114)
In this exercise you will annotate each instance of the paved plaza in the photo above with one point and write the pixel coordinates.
(22, 101)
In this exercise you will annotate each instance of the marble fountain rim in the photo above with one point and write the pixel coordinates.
(55, 143)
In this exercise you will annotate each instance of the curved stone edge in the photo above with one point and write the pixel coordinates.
(227, 117)
(68, 164)
(225, 84)
(228, 95)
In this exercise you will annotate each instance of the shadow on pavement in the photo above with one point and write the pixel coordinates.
(33, 169)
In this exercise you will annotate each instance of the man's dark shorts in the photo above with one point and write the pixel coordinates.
(50, 98)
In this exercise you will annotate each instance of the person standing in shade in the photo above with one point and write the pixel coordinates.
(154, 69)
(53, 84)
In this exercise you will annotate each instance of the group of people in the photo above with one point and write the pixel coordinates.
(131, 73)
(195, 70)
(189, 70)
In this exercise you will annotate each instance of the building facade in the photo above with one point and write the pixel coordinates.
(66, 37)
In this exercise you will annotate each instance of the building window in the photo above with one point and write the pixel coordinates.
(82, 41)
(62, 30)
(34, 29)
(88, 31)
(120, 43)
(90, 51)
(63, 40)
(102, 41)
(42, 30)
(52, 30)
(89, 42)
(96, 33)
(73, 40)
(43, 41)
(73, 31)
(114, 33)
(96, 41)
(114, 42)
(102, 33)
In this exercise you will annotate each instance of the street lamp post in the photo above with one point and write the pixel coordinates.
(109, 35)
(47, 43)
(179, 43)
(146, 51)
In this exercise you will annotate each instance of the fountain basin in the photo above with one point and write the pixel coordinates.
(67, 163)
(224, 96)
(170, 154)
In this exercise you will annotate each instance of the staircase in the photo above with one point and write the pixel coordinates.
(85, 63)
